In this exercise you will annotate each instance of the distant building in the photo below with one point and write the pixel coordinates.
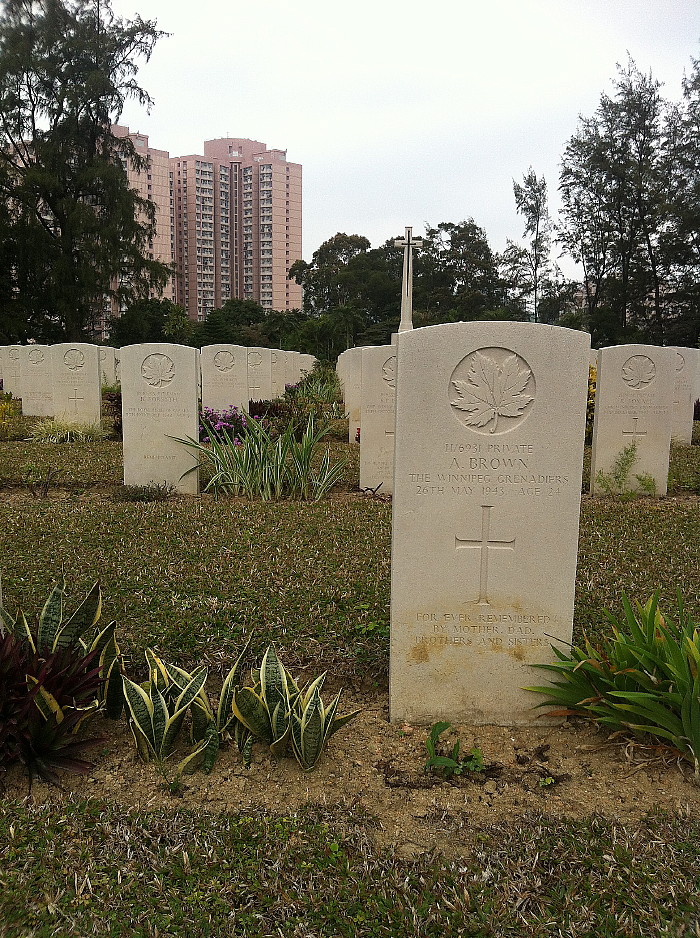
(229, 219)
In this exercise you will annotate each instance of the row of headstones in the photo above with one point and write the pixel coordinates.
(65, 380)
(645, 396)
(483, 428)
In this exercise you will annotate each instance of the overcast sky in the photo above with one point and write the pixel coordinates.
(401, 112)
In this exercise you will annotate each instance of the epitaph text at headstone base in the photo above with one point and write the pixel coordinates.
(259, 374)
(378, 414)
(11, 379)
(108, 362)
(76, 385)
(490, 421)
(37, 380)
(224, 377)
(353, 392)
(634, 394)
(686, 365)
(159, 406)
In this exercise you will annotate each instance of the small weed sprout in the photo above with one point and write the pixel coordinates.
(447, 763)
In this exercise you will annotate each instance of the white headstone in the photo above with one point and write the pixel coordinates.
(378, 417)
(353, 391)
(306, 363)
(292, 369)
(11, 380)
(77, 389)
(224, 377)
(490, 421)
(634, 394)
(108, 361)
(259, 374)
(277, 372)
(159, 402)
(37, 380)
(684, 394)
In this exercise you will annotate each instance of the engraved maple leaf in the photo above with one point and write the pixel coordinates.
(638, 371)
(158, 370)
(492, 391)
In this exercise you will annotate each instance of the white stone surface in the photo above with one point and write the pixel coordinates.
(277, 372)
(36, 376)
(159, 402)
(352, 363)
(306, 363)
(108, 362)
(259, 374)
(292, 367)
(224, 377)
(684, 394)
(490, 421)
(377, 417)
(77, 390)
(11, 377)
(634, 395)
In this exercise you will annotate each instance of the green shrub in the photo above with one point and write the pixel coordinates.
(644, 680)
(13, 426)
(259, 464)
(60, 431)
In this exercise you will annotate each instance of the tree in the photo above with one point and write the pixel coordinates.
(238, 322)
(456, 275)
(149, 321)
(531, 203)
(74, 230)
(616, 211)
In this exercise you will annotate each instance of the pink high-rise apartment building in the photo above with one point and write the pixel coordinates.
(237, 212)
(154, 184)
(229, 220)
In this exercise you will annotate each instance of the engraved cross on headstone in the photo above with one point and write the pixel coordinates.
(74, 400)
(407, 243)
(634, 432)
(484, 545)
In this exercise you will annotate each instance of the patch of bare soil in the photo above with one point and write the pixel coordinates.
(570, 770)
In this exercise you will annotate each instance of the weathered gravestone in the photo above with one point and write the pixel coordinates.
(108, 365)
(77, 390)
(306, 363)
(292, 368)
(11, 380)
(378, 414)
(352, 372)
(36, 380)
(490, 421)
(277, 370)
(259, 374)
(159, 402)
(224, 377)
(634, 394)
(684, 394)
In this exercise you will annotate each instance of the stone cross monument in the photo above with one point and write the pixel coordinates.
(407, 243)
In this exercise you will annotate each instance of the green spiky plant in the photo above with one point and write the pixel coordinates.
(209, 727)
(157, 712)
(275, 711)
(645, 680)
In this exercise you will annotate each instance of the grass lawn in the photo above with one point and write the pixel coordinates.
(192, 578)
